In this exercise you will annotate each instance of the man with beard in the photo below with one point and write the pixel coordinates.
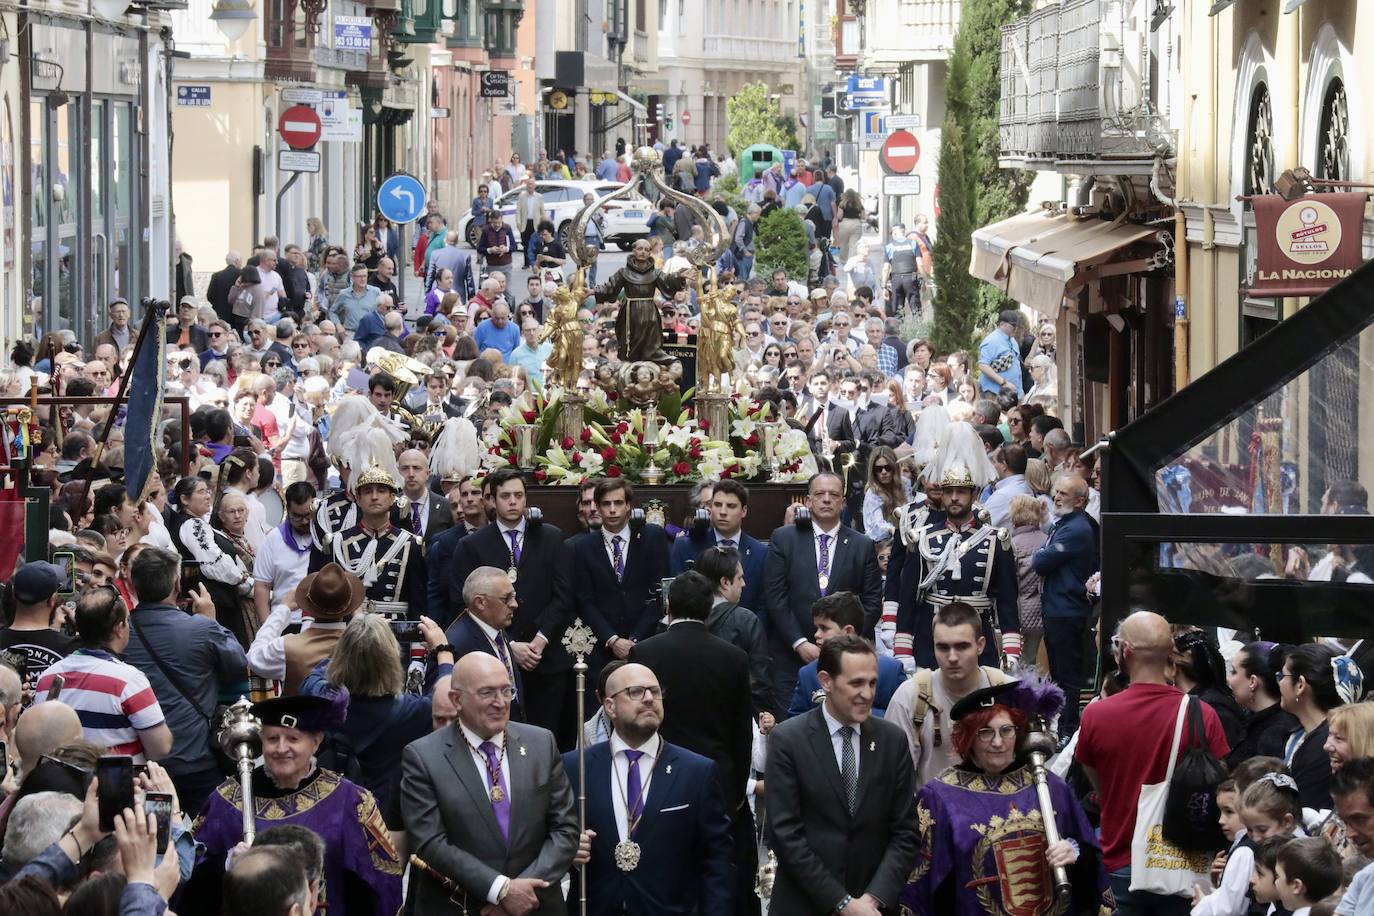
(1068, 559)
(953, 556)
(637, 326)
(668, 854)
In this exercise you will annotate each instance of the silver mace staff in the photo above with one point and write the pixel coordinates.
(1040, 745)
(579, 640)
(240, 736)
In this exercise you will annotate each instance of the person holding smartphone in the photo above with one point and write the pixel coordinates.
(36, 589)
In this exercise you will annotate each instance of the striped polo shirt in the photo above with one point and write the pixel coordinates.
(113, 700)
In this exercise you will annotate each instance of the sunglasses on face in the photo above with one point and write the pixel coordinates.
(880, 468)
(216, 334)
(273, 365)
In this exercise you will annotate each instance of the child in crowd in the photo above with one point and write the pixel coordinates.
(1232, 869)
(1263, 886)
(1269, 807)
(1307, 871)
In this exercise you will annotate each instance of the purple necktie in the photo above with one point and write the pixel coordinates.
(500, 642)
(727, 544)
(498, 778)
(415, 516)
(514, 546)
(634, 793)
(824, 569)
(619, 557)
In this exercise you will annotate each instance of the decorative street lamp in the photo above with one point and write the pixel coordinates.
(233, 17)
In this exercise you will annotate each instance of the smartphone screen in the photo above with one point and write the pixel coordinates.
(67, 561)
(55, 688)
(114, 787)
(190, 582)
(406, 631)
(159, 804)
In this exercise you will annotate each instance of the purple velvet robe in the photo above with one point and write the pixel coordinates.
(983, 847)
(358, 850)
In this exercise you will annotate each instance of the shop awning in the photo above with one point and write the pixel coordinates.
(1218, 6)
(1037, 258)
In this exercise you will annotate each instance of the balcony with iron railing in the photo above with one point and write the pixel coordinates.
(1076, 90)
(899, 31)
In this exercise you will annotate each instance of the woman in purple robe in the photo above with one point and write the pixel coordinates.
(983, 847)
(362, 872)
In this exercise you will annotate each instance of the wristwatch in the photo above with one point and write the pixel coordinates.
(840, 907)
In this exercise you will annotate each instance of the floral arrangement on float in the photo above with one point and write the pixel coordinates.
(664, 446)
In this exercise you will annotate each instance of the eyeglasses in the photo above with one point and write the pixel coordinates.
(504, 599)
(272, 365)
(1014, 421)
(1006, 732)
(216, 334)
(490, 693)
(637, 692)
(881, 468)
(755, 333)
(301, 344)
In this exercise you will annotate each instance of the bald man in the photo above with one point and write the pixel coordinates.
(428, 513)
(1119, 760)
(11, 702)
(467, 829)
(41, 730)
(671, 856)
(1066, 562)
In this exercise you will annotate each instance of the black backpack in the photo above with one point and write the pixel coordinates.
(1190, 812)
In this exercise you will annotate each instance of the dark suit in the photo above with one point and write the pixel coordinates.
(198, 339)
(544, 594)
(684, 839)
(628, 607)
(791, 587)
(707, 709)
(297, 283)
(838, 425)
(452, 828)
(824, 852)
(466, 637)
(437, 559)
(437, 515)
(753, 553)
(221, 285)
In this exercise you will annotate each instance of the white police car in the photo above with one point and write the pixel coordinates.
(625, 220)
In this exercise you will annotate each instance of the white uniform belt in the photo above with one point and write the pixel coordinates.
(976, 601)
(389, 608)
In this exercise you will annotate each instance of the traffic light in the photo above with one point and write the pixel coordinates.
(658, 112)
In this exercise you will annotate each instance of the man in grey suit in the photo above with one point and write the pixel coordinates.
(841, 811)
(491, 852)
(529, 213)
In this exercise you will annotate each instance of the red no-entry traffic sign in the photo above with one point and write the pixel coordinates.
(900, 153)
(299, 126)
(686, 118)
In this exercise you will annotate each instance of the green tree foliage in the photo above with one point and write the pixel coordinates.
(973, 190)
(781, 242)
(755, 118)
(727, 189)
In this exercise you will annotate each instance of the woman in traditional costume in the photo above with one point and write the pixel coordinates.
(983, 846)
(362, 872)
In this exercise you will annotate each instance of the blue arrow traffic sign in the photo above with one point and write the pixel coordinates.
(401, 198)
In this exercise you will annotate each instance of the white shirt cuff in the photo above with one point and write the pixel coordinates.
(798, 643)
(496, 888)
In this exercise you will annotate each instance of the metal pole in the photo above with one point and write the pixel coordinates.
(281, 192)
(581, 668)
(400, 272)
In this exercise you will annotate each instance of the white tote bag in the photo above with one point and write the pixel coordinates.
(1158, 866)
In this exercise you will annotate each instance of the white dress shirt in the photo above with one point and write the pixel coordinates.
(833, 726)
(733, 536)
(620, 775)
(834, 534)
(505, 536)
(624, 535)
(479, 760)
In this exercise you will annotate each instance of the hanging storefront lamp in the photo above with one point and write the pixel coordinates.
(110, 9)
(233, 17)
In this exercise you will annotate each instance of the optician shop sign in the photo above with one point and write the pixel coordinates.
(1305, 246)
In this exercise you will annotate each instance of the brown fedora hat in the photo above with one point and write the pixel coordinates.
(330, 594)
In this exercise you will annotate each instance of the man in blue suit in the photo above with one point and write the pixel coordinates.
(805, 563)
(619, 574)
(837, 615)
(1068, 559)
(660, 837)
(489, 601)
(444, 544)
(729, 505)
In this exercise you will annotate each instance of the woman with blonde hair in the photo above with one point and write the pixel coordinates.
(887, 491)
(1044, 376)
(382, 717)
(319, 244)
(1038, 478)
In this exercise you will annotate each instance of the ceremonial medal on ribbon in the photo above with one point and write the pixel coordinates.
(627, 855)
(511, 574)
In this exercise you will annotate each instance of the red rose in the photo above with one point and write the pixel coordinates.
(531, 416)
(568, 442)
(494, 450)
(608, 454)
(694, 453)
(615, 437)
(704, 423)
(613, 395)
(695, 441)
(613, 471)
(752, 440)
(586, 434)
(622, 427)
(577, 457)
(682, 469)
(541, 475)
